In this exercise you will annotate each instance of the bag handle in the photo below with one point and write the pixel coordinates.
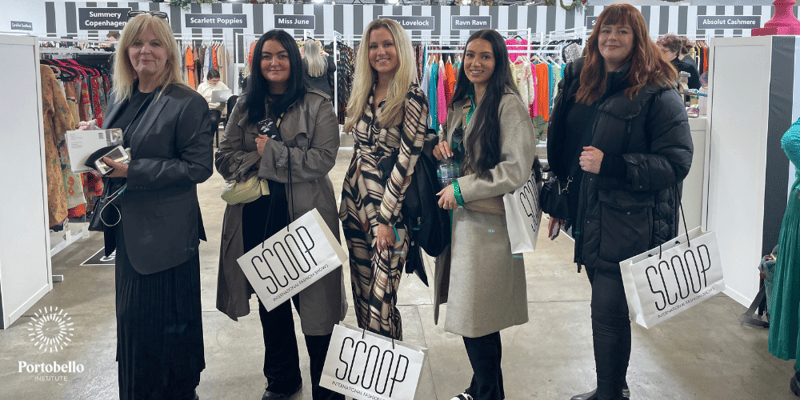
(685, 227)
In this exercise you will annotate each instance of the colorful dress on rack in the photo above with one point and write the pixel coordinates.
(784, 306)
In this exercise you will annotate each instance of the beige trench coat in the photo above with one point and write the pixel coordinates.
(310, 130)
(481, 281)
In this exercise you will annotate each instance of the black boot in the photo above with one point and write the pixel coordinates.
(626, 394)
(794, 385)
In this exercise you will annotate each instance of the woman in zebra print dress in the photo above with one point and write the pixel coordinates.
(387, 115)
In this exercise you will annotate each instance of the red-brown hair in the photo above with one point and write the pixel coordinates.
(647, 66)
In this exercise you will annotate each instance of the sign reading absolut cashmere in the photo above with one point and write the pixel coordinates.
(413, 23)
(21, 26)
(95, 19)
(290, 21)
(216, 21)
(728, 22)
(470, 22)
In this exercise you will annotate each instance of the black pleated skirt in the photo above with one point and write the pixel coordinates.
(159, 329)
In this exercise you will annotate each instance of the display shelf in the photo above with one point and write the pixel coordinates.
(69, 235)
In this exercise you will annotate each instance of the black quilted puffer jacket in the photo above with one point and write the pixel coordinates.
(617, 217)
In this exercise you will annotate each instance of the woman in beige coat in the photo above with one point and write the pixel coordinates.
(490, 135)
(279, 126)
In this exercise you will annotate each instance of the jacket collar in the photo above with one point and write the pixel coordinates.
(617, 80)
(150, 115)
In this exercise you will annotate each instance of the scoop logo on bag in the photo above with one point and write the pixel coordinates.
(367, 366)
(382, 368)
(666, 280)
(278, 265)
(292, 259)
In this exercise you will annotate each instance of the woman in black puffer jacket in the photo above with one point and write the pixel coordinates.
(619, 132)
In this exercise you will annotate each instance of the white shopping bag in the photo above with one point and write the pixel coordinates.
(292, 259)
(661, 284)
(367, 366)
(524, 215)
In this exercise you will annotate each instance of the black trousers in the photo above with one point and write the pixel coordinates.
(485, 354)
(281, 358)
(611, 333)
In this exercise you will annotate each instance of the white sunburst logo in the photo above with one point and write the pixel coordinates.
(51, 330)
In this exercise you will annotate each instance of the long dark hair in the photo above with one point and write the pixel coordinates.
(647, 66)
(487, 133)
(258, 86)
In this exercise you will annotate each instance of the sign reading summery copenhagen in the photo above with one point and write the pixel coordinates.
(95, 19)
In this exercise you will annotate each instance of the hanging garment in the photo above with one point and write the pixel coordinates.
(214, 61)
(543, 91)
(56, 118)
(441, 101)
(190, 67)
(432, 96)
(516, 48)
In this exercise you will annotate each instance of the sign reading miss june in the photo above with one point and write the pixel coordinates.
(728, 21)
(470, 22)
(216, 21)
(289, 21)
(94, 19)
(21, 26)
(413, 23)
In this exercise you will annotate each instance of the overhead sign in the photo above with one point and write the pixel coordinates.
(290, 21)
(470, 22)
(590, 21)
(21, 26)
(93, 19)
(414, 23)
(728, 21)
(216, 20)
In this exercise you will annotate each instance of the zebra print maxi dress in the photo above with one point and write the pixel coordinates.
(366, 202)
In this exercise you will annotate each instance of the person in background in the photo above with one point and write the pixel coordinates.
(287, 134)
(490, 134)
(158, 229)
(387, 115)
(211, 84)
(784, 306)
(112, 36)
(670, 46)
(619, 132)
(685, 56)
(317, 67)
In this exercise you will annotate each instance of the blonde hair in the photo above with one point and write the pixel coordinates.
(365, 76)
(125, 75)
(317, 65)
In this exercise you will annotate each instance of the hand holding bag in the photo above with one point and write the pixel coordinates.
(665, 281)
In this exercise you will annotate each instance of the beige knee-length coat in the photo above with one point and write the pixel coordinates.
(481, 281)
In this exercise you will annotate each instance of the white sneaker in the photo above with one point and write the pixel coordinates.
(462, 396)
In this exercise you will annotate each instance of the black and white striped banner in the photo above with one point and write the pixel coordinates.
(62, 19)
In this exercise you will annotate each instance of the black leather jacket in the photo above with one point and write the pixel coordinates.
(619, 217)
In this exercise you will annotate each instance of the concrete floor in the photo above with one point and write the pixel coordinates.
(704, 353)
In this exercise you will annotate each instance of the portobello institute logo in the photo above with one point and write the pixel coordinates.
(51, 330)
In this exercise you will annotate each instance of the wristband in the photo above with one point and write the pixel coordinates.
(457, 193)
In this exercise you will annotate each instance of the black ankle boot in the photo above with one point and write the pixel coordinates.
(626, 394)
(794, 385)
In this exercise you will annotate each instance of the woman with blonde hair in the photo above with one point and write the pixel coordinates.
(387, 115)
(317, 68)
(158, 227)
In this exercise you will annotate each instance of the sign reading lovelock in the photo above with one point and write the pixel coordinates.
(292, 259)
(367, 366)
(524, 215)
(662, 283)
